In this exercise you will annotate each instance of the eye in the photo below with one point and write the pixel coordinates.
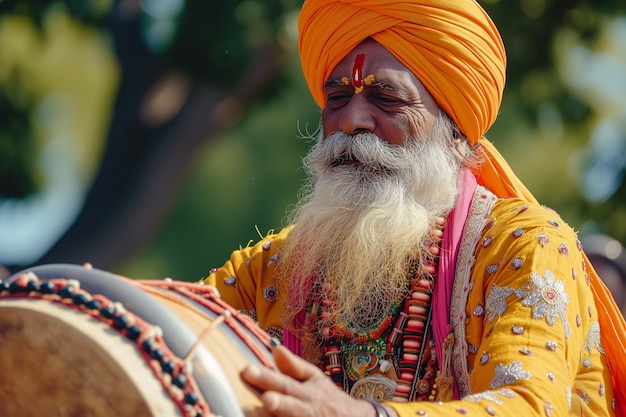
(387, 100)
(338, 98)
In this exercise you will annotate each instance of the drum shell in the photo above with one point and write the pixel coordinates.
(58, 360)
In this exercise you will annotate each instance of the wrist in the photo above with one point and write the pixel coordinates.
(381, 410)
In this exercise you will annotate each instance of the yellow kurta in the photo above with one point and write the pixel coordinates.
(527, 336)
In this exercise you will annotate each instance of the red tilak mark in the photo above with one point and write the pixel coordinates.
(357, 72)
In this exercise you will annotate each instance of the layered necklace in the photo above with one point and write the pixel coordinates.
(394, 360)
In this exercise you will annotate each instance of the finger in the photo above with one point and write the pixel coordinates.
(294, 366)
(267, 379)
(280, 405)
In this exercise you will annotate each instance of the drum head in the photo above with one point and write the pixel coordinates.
(59, 362)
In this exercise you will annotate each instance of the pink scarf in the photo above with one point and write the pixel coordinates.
(442, 294)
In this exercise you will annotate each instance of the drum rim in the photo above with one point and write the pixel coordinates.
(176, 335)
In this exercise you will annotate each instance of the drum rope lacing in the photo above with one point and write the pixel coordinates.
(173, 372)
(233, 318)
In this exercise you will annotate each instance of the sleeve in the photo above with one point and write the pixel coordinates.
(247, 281)
(531, 342)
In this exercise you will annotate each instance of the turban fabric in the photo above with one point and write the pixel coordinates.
(455, 50)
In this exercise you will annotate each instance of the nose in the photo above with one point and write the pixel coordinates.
(356, 116)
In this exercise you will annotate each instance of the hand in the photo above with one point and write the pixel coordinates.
(301, 389)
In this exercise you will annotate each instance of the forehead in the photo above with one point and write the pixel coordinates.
(378, 61)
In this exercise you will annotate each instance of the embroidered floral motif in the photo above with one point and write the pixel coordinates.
(491, 395)
(485, 358)
(551, 377)
(230, 281)
(579, 244)
(554, 223)
(479, 311)
(542, 238)
(547, 297)
(518, 232)
(248, 261)
(487, 241)
(495, 304)
(601, 390)
(472, 349)
(517, 262)
(507, 375)
(267, 245)
(563, 249)
(490, 410)
(270, 293)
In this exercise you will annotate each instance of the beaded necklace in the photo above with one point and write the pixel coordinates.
(388, 362)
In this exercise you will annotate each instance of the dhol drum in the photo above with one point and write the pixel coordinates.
(76, 341)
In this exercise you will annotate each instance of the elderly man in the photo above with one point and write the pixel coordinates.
(417, 271)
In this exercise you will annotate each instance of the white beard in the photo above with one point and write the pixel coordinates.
(359, 225)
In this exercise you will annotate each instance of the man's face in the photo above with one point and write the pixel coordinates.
(394, 104)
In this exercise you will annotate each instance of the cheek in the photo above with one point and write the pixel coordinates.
(329, 122)
(420, 124)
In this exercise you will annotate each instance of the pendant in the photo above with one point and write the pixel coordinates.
(377, 387)
(362, 359)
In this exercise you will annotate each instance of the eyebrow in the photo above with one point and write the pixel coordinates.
(338, 82)
(334, 83)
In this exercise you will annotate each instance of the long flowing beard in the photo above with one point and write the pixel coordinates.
(363, 217)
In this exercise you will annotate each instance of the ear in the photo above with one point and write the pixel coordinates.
(460, 145)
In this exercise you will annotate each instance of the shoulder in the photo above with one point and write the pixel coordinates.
(522, 238)
(514, 220)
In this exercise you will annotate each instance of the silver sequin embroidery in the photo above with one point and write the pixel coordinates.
(495, 304)
(491, 395)
(508, 375)
(547, 297)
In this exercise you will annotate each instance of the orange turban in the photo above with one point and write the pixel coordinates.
(452, 47)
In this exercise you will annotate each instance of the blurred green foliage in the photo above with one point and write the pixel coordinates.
(246, 179)
(18, 169)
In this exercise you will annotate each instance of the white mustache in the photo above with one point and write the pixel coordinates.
(365, 149)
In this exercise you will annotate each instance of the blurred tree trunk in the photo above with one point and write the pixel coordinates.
(147, 156)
